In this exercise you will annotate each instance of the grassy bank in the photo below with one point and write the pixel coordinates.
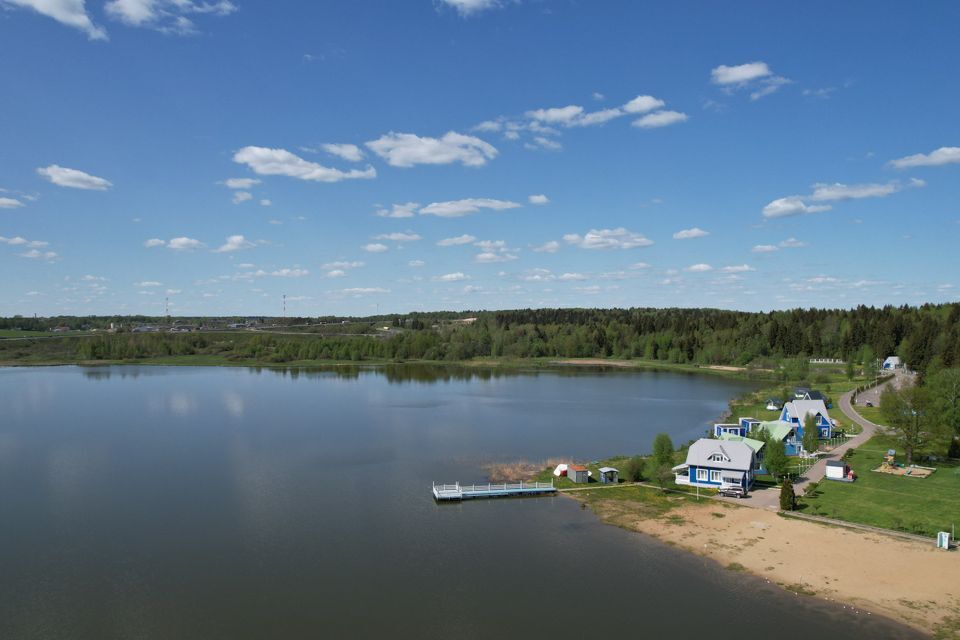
(922, 506)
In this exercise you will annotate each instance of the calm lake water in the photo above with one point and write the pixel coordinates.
(217, 503)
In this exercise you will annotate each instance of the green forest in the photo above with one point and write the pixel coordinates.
(925, 337)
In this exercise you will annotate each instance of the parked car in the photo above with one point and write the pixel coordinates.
(732, 491)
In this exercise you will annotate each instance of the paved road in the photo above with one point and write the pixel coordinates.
(769, 498)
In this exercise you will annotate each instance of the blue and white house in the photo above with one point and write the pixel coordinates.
(715, 463)
(742, 428)
(796, 413)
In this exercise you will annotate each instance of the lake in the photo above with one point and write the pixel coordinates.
(191, 502)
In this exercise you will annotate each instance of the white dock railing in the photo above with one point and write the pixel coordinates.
(458, 489)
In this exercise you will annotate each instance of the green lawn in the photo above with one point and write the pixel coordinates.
(870, 413)
(922, 506)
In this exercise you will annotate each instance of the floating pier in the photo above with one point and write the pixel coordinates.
(459, 491)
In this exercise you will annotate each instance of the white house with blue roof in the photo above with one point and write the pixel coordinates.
(796, 413)
(714, 463)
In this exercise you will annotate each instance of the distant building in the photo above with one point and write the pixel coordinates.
(796, 413)
(893, 362)
(609, 475)
(578, 473)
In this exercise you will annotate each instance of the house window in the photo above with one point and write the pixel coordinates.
(715, 475)
(718, 457)
(702, 475)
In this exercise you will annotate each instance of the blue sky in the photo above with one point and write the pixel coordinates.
(475, 154)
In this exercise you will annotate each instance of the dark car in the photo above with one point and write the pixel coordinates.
(732, 491)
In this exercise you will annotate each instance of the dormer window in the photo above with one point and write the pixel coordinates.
(718, 457)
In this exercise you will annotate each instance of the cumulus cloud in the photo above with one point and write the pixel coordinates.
(289, 273)
(639, 265)
(469, 7)
(538, 199)
(941, 156)
(618, 238)
(556, 115)
(643, 104)
(791, 206)
(737, 268)
(572, 277)
(10, 203)
(792, 242)
(405, 210)
(18, 241)
(408, 150)
(166, 16)
(343, 264)
(399, 237)
(451, 277)
(348, 152)
(242, 196)
(363, 291)
(699, 268)
(336, 273)
(73, 178)
(492, 251)
(280, 162)
(149, 283)
(457, 208)
(71, 13)
(234, 243)
(685, 234)
(764, 248)
(660, 119)
(240, 183)
(755, 76)
(36, 254)
(457, 240)
(184, 244)
(551, 246)
(154, 242)
(265, 202)
(375, 247)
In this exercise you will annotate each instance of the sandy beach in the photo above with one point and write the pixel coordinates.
(906, 581)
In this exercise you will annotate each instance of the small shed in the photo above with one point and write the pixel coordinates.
(609, 475)
(839, 470)
(578, 473)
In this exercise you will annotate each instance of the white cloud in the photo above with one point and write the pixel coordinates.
(739, 74)
(941, 156)
(791, 206)
(154, 242)
(537, 275)
(416, 263)
(336, 273)
(280, 162)
(173, 292)
(35, 254)
(407, 149)
(362, 291)
(597, 117)
(469, 7)
(548, 247)
(241, 196)
(348, 152)
(737, 268)
(618, 238)
(572, 277)
(556, 115)
(73, 178)
(542, 142)
(264, 202)
(597, 95)
(489, 126)
(10, 203)
(457, 208)
(184, 244)
(538, 199)
(240, 183)
(838, 191)
(399, 210)
(18, 241)
(699, 268)
(695, 232)
(290, 273)
(149, 283)
(375, 247)
(91, 278)
(451, 277)
(399, 237)
(72, 13)
(764, 248)
(792, 242)
(660, 119)
(234, 243)
(494, 251)
(166, 16)
(639, 265)
(457, 240)
(643, 104)
(769, 85)
(343, 264)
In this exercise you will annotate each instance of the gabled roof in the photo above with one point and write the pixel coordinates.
(802, 408)
(576, 467)
(738, 456)
(777, 429)
(756, 445)
(608, 470)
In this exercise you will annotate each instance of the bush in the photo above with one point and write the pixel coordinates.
(634, 469)
(788, 500)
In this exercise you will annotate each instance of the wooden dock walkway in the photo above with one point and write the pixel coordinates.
(459, 491)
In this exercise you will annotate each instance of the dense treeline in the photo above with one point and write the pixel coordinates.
(925, 337)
